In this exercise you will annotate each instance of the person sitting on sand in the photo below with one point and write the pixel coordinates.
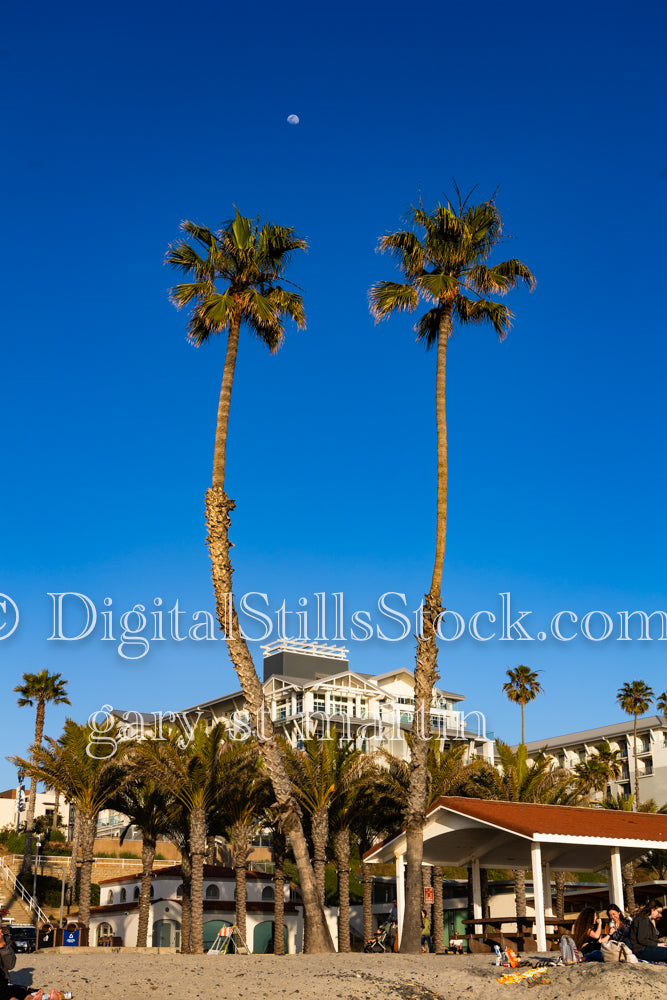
(644, 934)
(587, 932)
(618, 924)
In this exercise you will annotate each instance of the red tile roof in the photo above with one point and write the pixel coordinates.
(174, 871)
(527, 819)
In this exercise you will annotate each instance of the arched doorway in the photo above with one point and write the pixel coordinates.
(262, 938)
(104, 930)
(167, 934)
(211, 928)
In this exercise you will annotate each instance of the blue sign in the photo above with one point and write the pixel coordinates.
(71, 939)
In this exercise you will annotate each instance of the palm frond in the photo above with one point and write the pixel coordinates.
(391, 296)
(484, 311)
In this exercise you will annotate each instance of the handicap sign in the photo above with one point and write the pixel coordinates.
(71, 939)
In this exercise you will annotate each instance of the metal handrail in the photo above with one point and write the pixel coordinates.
(20, 890)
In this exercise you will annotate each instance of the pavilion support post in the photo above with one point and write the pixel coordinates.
(400, 894)
(616, 879)
(477, 896)
(538, 895)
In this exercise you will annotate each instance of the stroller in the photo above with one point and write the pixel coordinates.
(383, 940)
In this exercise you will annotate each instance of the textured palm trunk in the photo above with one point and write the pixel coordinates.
(197, 854)
(56, 808)
(148, 847)
(279, 846)
(342, 851)
(367, 891)
(73, 864)
(218, 521)
(426, 673)
(438, 921)
(636, 803)
(186, 903)
(88, 824)
(211, 850)
(320, 835)
(519, 891)
(240, 851)
(559, 880)
(427, 883)
(628, 876)
(523, 726)
(32, 794)
(218, 507)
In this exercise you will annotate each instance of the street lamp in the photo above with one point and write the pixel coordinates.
(34, 878)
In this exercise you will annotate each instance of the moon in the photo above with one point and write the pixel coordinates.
(293, 119)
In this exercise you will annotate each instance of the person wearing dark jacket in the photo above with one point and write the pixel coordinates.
(7, 963)
(644, 934)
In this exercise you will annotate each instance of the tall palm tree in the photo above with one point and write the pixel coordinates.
(38, 689)
(635, 698)
(88, 781)
(661, 703)
(249, 262)
(191, 774)
(522, 687)
(146, 806)
(443, 260)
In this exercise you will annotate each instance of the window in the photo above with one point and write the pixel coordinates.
(212, 892)
(109, 897)
(339, 705)
(268, 893)
(281, 710)
(319, 703)
(299, 704)
(362, 708)
(179, 890)
(137, 892)
(123, 895)
(152, 893)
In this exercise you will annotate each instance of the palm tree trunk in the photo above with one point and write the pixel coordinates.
(320, 835)
(523, 724)
(197, 853)
(367, 891)
(438, 922)
(224, 402)
(211, 850)
(559, 879)
(32, 794)
(88, 824)
(427, 883)
(56, 808)
(426, 673)
(148, 847)
(342, 850)
(73, 864)
(636, 803)
(279, 846)
(628, 875)
(218, 508)
(240, 851)
(519, 891)
(186, 903)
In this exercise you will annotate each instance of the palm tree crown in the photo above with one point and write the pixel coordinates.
(522, 687)
(247, 260)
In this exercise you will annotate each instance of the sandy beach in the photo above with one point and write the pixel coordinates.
(134, 976)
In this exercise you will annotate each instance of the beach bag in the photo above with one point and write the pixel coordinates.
(569, 952)
(614, 951)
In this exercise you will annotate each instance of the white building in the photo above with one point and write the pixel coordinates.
(309, 685)
(44, 806)
(117, 916)
(650, 753)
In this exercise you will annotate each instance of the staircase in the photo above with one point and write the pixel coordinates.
(16, 900)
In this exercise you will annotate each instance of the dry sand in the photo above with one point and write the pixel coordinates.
(135, 976)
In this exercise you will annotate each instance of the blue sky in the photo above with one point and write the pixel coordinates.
(122, 122)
